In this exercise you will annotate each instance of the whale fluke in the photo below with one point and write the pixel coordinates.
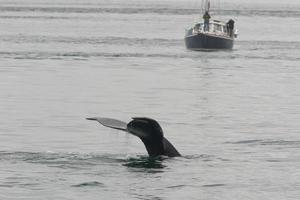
(148, 130)
(111, 123)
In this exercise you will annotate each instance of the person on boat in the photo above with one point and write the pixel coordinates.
(206, 18)
(230, 27)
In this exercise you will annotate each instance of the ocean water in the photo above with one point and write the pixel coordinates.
(233, 115)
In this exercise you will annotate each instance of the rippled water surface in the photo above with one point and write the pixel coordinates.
(233, 115)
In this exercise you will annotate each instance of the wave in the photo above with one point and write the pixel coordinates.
(52, 159)
(269, 44)
(82, 161)
(82, 55)
(90, 40)
(260, 142)
(136, 41)
(94, 55)
(89, 184)
(150, 10)
(33, 17)
(135, 48)
(261, 12)
(76, 160)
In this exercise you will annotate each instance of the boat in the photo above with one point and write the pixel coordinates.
(212, 34)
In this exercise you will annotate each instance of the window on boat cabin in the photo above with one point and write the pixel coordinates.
(218, 28)
(198, 27)
(201, 27)
(211, 27)
(224, 29)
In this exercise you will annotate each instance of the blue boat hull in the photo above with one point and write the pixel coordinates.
(202, 41)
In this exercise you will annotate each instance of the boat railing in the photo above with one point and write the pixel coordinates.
(215, 27)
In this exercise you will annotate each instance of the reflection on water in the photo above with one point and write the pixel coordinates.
(89, 184)
(145, 162)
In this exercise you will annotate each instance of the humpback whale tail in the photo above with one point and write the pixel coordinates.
(148, 130)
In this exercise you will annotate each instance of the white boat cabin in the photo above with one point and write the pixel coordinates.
(215, 27)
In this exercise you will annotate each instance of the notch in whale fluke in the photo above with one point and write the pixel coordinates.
(111, 123)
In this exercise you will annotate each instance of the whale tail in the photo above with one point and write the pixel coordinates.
(148, 130)
(169, 149)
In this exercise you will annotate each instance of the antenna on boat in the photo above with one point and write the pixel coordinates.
(207, 6)
(202, 6)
